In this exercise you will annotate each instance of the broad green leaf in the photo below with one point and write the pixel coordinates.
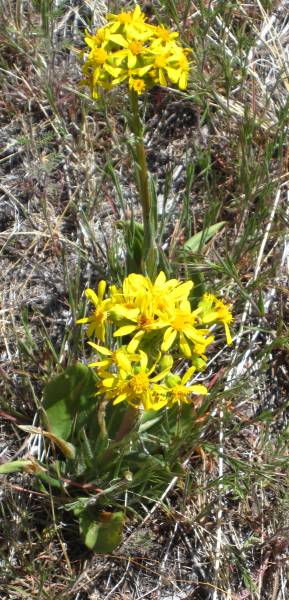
(100, 531)
(202, 237)
(68, 400)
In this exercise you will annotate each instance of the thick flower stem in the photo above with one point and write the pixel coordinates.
(149, 258)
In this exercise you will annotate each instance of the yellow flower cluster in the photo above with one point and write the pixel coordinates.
(153, 325)
(129, 49)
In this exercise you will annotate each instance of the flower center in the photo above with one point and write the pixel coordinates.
(100, 56)
(163, 34)
(180, 322)
(223, 312)
(139, 383)
(100, 315)
(138, 85)
(180, 393)
(144, 321)
(136, 47)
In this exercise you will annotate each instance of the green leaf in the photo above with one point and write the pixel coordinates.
(100, 531)
(202, 237)
(134, 241)
(68, 400)
(14, 466)
(149, 419)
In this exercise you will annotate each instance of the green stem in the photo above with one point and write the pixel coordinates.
(149, 248)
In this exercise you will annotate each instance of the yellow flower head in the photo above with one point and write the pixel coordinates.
(97, 321)
(129, 49)
(158, 325)
(99, 56)
(211, 310)
(134, 384)
(178, 390)
(118, 357)
(138, 85)
(163, 34)
(180, 322)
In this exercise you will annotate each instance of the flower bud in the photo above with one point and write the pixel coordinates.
(166, 362)
(172, 380)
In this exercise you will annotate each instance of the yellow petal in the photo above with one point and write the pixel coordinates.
(187, 376)
(99, 363)
(119, 398)
(184, 346)
(168, 339)
(101, 349)
(91, 295)
(182, 291)
(117, 38)
(159, 404)
(144, 360)
(125, 330)
(161, 375)
(198, 389)
(173, 74)
(134, 343)
(101, 289)
(131, 61)
(185, 306)
(228, 334)
(113, 71)
(84, 320)
(123, 361)
(162, 78)
(183, 81)
(137, 12)
(161, 279)
(108, 382)
(141, 71)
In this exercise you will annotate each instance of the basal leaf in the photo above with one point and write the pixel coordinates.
(68, 400)
(15, 466)
(202, 237)
(100, 531)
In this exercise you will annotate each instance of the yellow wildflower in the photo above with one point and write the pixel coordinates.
(163, 292)
(135, 385)
(96, 322)
(180, 324)
(117, 357)
(163, 34)
(181, 393)
(129, 49)
(101, 38)
(130, 23)
(213, 310)
(143, 319)
(138, 85)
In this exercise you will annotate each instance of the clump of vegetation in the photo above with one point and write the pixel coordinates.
(157, 441)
